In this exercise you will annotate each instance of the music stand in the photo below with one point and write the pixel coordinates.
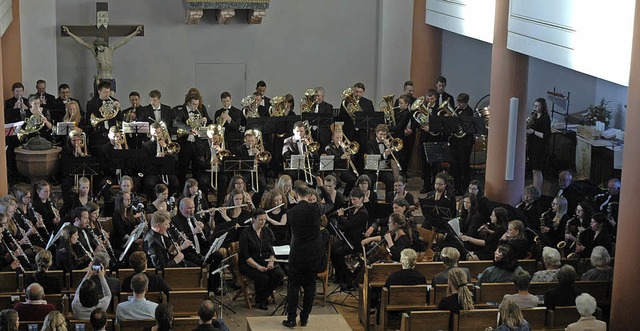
(215, 246)
(297, 162)
(83, 166)
(327, 163)
(437, 151)
(126, 159)
(11, 128)
(137, 232)
(53, 239)
(319, 120)
(436, 214)
(235, 165)
(368, 121)
(473, 125)
(342, 289)
(224, 264)
(266, 125)
(63, 128)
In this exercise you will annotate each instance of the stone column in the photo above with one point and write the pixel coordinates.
(508, 79)
(625, 284)
(426, 61)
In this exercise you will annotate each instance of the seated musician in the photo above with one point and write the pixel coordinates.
(515, 237)
(276, 216)
(191, 229)
(43, 205)
(365, 185)
(77, 199)
(380, 226)
(237, 183)
(125, 219)
(36, 109)
(450, 257)
(248, 151)
(191, 190)
(400, 192)
(599, 234)
(209, 157)
(440, 205)
(9, 252)
(352, 226)
(298, 144)
(15, 232)
(163, 251)
(127, 185)
(74, 152)
(470, 219)
(484, 248)
(337, 148)
(99, 234)
(80, 220)
(577, 225)
(30, 222)
(257, 259)
(156, 149)
(531, 206)
(555, 222)
(73, 114)
(605, 201)
(396, 239)
(70, 255)
(229, 219)
(162, 201)
(105, 154)
(484, 205)
(388, 168)
(339, 200)
(285, 184)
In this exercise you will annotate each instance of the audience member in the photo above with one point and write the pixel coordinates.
(504, 266)
(114, 282)
(207, 321)
(138, 261)
(565, 293)
(523, 298)
(86, 298)
(600, 260)
(450, 257)
(551, 259)
(54, 321)
(586, 306)
(512, 319)
(9, 320)
(138, 307)
(35, 308)
(51, 285)
(98, 319)
(461, 297)
(164, 318)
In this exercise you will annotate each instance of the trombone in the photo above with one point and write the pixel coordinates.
(216, 155)
(261, 157)
(351, 148)
(395, 145)
(312, 147)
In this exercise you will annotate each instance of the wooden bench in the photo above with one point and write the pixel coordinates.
(57, 274)
(401, 298)
(186, 302)
(436, 294)
(494, 292)
(428, 320)
(133, 325)
(9, 282)
(7, 301)
(185, 323)
(561, 317)
(124, 273)
(537, 317)
(477, 319)
(185, 278)
(25, 325)
(85, 325)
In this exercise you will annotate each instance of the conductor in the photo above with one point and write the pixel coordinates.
(307, 256)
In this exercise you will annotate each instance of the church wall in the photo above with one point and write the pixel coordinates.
(394, 33)
(300, 44)
(38, 31)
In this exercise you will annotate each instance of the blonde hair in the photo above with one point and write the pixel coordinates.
(450, 256)
(511, 314)
(54, 321)
(458, 282)
(408, 258)
(77, 115)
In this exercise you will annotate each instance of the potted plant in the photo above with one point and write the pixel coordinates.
(600, 112)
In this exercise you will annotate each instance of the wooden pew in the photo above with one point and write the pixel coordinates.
(59, 301)
(537, 317)
(186, 302)
(185, 278)
(560, 317)
(440, 292)
(58, 274)
(494, 292)
(600, 290)
(477, 319)
(7, 301)
(30, 325)
(477, 267)
(428, 320)
(375, 275)
(401, 298)
(86, 325)
(133, 325)
(9, 282)
(185, 323)
(124, 273)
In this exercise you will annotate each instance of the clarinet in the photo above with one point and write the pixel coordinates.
(24, 235)
(15, 243)
(183, 237)
(107, 246)
(13, 256)
(38, 217)
(85, 251)
(201, 235)
(27, 223)
(177, 249)
(54, 209)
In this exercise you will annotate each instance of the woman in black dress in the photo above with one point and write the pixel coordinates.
(538, 135)
(24, 216)
(124, 220)
(229, 220)
(276, 218)
(440, 204)
(44, 206)
(161, 202)
(397, 238)
(70, 255)
(484, 248)
(555, 222)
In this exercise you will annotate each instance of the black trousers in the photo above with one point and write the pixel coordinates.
(185, 157)
(265, 282)
(384, 176)
(338, 252)
(460, 168)
(302, 275)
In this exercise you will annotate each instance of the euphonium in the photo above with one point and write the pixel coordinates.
(108, 110)
(262, 156)
(196, 121)
(350, 103)
(277, 106)
(421, 114)
(306, 103)
(386, 106)
(249, 105)
(446, 109)
(171, 148)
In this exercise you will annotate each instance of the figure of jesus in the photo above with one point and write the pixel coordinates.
(103, 53)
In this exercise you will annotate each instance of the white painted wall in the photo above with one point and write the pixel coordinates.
(394, 46)
(6, 15)
(300, 44)
(38, 42)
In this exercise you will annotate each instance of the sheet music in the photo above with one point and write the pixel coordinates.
(282, 250)
(455, 225)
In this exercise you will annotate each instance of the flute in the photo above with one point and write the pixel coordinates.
(219, 208)
(274, 208)
(343, 209)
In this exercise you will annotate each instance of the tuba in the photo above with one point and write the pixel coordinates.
(422, 113)
(249, 107)
(108, 110)
(277, 106)
(350, 104)
(306, 103)
(386, 106)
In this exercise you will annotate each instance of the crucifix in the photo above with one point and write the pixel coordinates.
(100, 48)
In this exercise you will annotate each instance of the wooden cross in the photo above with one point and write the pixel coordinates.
(102, 29)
